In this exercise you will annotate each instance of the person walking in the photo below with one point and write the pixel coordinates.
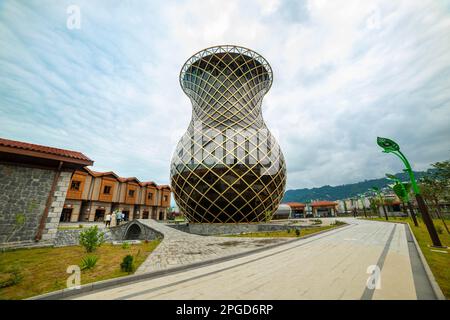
(108, 220)
(122, 216)
(118, 217)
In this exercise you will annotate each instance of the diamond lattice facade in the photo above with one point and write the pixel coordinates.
(227, 167)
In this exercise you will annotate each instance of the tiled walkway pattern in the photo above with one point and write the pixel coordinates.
(180, 248)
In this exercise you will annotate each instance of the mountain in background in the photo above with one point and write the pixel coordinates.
(344, 191)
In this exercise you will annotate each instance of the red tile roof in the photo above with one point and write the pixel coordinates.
(12, 146)
(323, 204)
(148, 183)
(101, 174)
(122, 179)
(296, 204)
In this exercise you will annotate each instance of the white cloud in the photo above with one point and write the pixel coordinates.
(344, 72)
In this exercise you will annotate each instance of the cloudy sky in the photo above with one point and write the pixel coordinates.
(344, 72)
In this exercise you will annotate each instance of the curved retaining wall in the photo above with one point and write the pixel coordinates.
(71, 237)
(207, 229)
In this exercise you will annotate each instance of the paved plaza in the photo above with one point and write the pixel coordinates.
(331, 265)
(181, 248)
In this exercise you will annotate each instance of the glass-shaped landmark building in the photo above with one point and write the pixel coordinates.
(227, 167)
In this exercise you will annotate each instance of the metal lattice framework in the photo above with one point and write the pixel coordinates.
(227, 167)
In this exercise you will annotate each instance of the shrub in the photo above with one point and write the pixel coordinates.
(80, 226)
(91, 239)
(127, 264)
(439, 229)
(125, 245)
(14, 278)
(88, 262)
(337, 223)
(288, 230)
(297, 232)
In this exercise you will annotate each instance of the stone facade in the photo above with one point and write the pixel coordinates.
(134, 230)
(23, 195)
(127, 231)
(54, 213)
(75, 205)
(33, 184)
(208, 229)
(24, 192)
(71, 237)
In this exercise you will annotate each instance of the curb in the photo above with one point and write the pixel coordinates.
(434, 285)
(90, 287)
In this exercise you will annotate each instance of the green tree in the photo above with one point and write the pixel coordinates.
(435, 187)
(374, 205)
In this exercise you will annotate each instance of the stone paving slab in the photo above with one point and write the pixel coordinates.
(332, 265)
(181, 248)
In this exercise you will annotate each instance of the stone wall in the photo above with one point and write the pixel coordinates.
(67, 237)
(123, 232)
(23, 195)
(71, 237)
(229, 228)
(54, 213)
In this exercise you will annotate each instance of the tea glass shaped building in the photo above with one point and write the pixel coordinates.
(227, 167)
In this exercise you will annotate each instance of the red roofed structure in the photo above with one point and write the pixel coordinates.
(33, 183)
(44, 186)
(93, 194)
(323, 204)
(17, 151)
(297, 209)
(324, 208)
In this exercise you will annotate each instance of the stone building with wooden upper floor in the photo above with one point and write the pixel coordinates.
(93, 194)
(41, 186)
(33, 183)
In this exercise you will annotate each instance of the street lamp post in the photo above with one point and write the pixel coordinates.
(390, 146)
(403, 195)
(380, 197)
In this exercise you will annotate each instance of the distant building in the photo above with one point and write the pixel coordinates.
(323, 209)
(391, 203)
(298, 209)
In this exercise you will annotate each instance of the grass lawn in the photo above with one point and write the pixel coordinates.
(439, 262)
(284, 233)
(44, 269)
(69, 227)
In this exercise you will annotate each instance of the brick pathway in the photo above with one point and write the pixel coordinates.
(180, 248)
